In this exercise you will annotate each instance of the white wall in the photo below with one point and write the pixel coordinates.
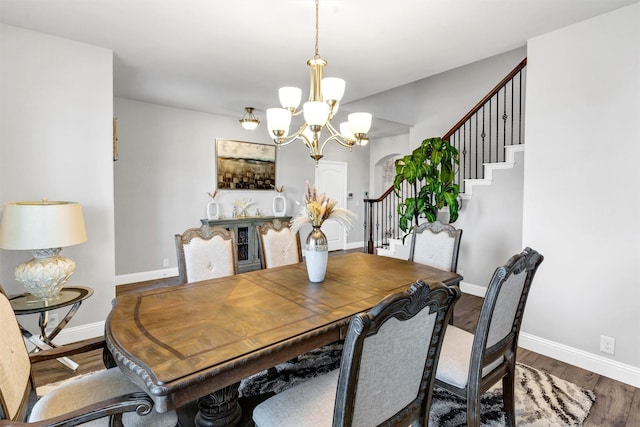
(56, 109)
(491, 220)
(581, 197)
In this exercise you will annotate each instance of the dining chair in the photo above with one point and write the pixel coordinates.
(206, 253)
(471, 363)
(278, 244)
(96, 399)
(386, 372)
(436, 244)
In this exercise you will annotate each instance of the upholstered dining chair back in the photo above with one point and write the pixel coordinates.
(387, 369)
(471, 363)
(91, 400)
(278, 244)
(16, 386)
(206, 253)
(437, 245)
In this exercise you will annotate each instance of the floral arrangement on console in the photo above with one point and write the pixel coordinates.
(213, 195)
(242, 205)
(318, 208)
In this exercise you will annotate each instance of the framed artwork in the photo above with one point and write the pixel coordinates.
(245, 165)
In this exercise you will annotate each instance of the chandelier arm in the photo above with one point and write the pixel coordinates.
(288, 139)
(340, 138)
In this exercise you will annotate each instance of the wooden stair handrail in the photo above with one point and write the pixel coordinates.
(487, 97)
(379, 199)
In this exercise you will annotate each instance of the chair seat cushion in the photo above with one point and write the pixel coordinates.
(94, 388)
(309, 404)
(455, 356)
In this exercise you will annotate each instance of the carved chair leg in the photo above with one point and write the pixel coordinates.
(473, 409)
(509, 400)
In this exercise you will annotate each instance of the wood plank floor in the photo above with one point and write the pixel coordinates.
(617, 404)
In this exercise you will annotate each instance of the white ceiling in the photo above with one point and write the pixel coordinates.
(220, 56)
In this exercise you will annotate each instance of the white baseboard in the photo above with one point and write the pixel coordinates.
(600, 365)
(146, 275)
(473, 289)
(354, 245)
(79, 333)
(592, 362)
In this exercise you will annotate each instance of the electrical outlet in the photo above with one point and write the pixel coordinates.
(52, 322)
(607, 345)
(165, 262)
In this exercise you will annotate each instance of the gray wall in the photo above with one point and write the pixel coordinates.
(56, 112)
(581, 199)
(167, 165)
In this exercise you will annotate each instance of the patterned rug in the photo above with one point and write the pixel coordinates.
(541, 399)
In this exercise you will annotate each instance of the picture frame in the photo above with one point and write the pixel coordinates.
(116, 154)
(242, 165)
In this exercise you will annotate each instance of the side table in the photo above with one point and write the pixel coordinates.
(28, 304)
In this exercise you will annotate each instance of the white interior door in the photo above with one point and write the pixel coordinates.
(331, 178)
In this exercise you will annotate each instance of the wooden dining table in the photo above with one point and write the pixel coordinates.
(196, 341)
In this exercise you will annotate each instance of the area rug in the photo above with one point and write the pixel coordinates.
(541, 399)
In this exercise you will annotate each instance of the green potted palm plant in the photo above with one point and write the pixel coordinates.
(430, 172)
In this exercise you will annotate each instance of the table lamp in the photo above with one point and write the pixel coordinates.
(44, 228)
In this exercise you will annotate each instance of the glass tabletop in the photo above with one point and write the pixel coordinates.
(27, 303)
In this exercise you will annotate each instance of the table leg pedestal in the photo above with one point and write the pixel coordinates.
(220, 408)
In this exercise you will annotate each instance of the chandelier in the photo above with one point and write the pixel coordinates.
(249, 121)
(324, 100)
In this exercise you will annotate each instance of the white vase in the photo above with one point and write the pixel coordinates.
(212, 210)
(316, 255)
(279, 205)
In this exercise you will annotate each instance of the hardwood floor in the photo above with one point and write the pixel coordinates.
(616, 405)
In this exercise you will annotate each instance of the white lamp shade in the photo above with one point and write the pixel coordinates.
(278, 119)
(360, 122)
(249, 124)
(345, 130)
(316, 113)
(290, 97)
(41, 225)
(332, 89)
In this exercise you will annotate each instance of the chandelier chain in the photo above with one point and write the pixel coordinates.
(316, 56)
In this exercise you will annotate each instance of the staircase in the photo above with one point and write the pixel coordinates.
(487, 138)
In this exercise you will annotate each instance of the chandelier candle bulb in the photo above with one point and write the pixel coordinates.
(278, 121)
(332, 89)
(360, 123)
(316, 114)
(290, 97)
